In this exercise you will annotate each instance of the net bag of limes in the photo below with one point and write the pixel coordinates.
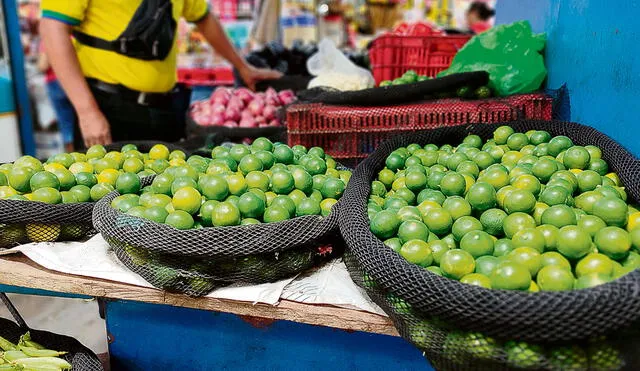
(246, 214)
(53, 200)
(502, 247)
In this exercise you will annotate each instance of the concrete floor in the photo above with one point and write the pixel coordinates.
(73, 317)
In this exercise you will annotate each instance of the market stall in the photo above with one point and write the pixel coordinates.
(422, 202)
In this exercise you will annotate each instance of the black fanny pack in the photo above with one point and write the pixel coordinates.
(148, 36)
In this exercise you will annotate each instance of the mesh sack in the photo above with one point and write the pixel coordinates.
(196, 261)
(32, 221)
(395, 94)
(461, 326)
(80, 357)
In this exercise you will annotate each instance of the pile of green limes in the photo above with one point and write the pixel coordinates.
(239, 185)
(521, 211)
(408, 77)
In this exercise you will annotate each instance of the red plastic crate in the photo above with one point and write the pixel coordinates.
(351, 133)
(392, 55)
(206, 76)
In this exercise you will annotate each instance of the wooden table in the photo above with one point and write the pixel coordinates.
(144, 323)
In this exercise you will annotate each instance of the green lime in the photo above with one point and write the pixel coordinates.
(19, 178)
(81, 192)
(157, 214)
(282, 182)
(283, 154)
(517, 221)
(438, 220)
(187, 199)
(457, 207)
(600, 166)
(453, 184)
(476, 279)
(100, 190)
(47, 195)
(180, 220)
(286, 202)
(591, 280)
(214, 187)
(519, 200)
(539, 136)
(555, 195)
(559, 144)
(385, 224)
(559, 216)
(464, 225)
(438, 248)
(516, 141)
(502, 134)
(510, 275)
(573, 242)
(529, 237)
(250, 163)
(555, 258)
(395, 203)
(297, 196)
(182, 182)
(555, 278)
(456, 159)
(308, 206)
(550, 235)
(417, 252)
(481, 196)
(576, 157)
(225, 214)
(251, 205)
(477, 243)
(413, 230)
(275, 213)
(132, 165)
(128, 183)
(528, 183)
(528, 257)
(263, 144)
(333, 188)
(393, 243)
(415, 181)
(485, 265)
(613, 242)
(594, 263)
(483, 159)
(492, 221)
(586, 200)
(431, 195)
(502, 247)
(457, 264)
(588, 180)
(612, 211)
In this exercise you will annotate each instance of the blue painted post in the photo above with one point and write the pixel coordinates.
(158, 337)
(12, 30)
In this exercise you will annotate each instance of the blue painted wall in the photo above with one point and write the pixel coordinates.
(593, 46)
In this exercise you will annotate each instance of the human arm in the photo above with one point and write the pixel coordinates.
(43, 62)
(61, 54)
(213, 32)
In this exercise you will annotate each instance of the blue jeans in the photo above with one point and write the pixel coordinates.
(65, 115)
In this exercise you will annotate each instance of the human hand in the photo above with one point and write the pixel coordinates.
(251, 75)
(94, 127)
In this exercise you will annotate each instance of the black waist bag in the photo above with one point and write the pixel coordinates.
(149, 35)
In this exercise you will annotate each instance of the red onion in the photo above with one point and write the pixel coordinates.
(248, 123)
(260, 120)
(231, 124)
(246, 114)
(256, 106)
(236, 102)
(269, 112)
(244, 94)
(231, 114)
(218, 108)
(274, 123)
(286, 97)
(216, 119)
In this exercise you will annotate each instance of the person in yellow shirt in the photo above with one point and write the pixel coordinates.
(117, 59)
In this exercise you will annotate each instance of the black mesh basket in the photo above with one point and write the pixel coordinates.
(80, 357)
(31, 221)
(460, 326)
(195, 261)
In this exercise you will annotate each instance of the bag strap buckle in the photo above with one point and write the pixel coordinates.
(142, 99)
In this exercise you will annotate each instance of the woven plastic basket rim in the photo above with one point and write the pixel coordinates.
(103, 214)
(623, 290)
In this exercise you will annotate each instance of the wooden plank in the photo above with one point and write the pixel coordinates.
(18, 270)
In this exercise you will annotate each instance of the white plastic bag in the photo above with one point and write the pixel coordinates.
(333, 69)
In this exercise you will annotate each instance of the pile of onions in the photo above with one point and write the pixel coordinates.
(241, 108)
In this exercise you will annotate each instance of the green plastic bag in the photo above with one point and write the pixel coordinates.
(511, 54)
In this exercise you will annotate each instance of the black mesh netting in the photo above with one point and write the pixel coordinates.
(31, 221)
(461, 326)
(395, 94)
(196, 261)
(80, 357)
(209, 136)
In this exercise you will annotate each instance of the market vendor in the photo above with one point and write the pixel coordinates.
(120, 70)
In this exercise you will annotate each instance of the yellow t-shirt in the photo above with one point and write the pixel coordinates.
(107, 19)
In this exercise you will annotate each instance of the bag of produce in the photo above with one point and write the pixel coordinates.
(24, 348)
(334, 70)
(406, 90)
(511, 53)
(53, 201)
(250, 214)
(502, 247)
